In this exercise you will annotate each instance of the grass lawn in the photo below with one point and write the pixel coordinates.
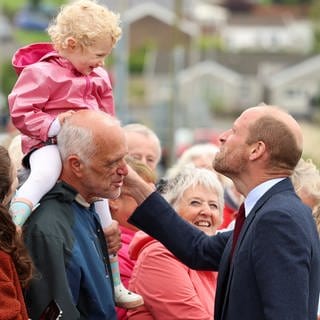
(14, 5)
(24, 37)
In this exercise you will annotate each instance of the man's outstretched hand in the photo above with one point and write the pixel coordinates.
(136, 187)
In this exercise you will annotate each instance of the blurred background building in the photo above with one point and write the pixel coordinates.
(186, 68)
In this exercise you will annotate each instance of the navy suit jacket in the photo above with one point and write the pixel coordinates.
(275, 270)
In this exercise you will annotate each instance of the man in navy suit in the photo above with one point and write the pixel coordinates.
(274, 272)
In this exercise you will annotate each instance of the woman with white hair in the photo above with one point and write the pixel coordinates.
(202, 155)
(169, 288)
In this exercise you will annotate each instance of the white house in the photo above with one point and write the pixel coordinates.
(295, 87)
(245, 32)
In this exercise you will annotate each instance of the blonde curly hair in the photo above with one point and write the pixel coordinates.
(85, 21)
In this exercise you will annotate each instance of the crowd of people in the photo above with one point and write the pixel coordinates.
(278, 241)
(87, 224)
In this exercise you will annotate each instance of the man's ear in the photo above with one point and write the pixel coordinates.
(257, 150)
(76, 165)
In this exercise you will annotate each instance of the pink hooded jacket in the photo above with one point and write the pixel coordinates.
(48, 85)
(169, 288)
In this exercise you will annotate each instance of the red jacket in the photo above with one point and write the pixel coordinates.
(12, 306)
(169, 288)
(49, 85)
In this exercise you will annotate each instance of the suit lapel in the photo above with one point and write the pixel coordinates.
(226, 268)
(222, 283)
(279, 187)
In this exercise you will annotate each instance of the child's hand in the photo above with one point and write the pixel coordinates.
(113, 237)
(65, 115)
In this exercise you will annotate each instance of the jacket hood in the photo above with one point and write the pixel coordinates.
(30, 54)
(138, 243)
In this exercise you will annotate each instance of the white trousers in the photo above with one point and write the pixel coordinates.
(45, 169)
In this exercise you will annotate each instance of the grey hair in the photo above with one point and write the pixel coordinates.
(145, 131)
(76, 140)
(188, 156)
(307, 176)
(191, 176)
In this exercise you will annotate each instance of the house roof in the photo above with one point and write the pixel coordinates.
(249, 63)
(244, 63)
(208, 68)
(161, 13)
(276, 10)
(244, 20)
(299, 70)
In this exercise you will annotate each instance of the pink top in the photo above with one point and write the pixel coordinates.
(126, 264)
(169, 288)
(49, 85)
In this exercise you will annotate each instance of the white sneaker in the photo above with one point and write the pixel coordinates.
(127, 299)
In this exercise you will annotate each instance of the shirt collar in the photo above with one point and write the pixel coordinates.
(79, 198)
(256, 193)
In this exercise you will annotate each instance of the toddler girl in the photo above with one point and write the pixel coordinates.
(55, 80)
